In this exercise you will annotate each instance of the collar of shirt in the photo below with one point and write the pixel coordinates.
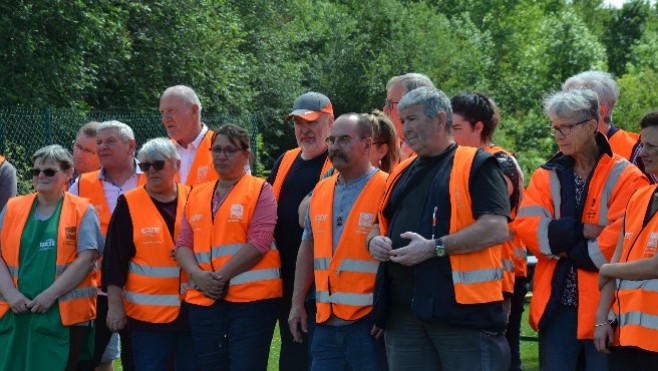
(138, 171)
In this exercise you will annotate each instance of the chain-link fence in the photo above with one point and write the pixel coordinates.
(24, 130)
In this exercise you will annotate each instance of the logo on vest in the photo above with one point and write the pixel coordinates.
(70, 236)
(628, 235)
(202, 172)
(237, 212)
(652, 245)
(365, 222)
(319, 218)
(48, 244)
(195, 218)
(150, 231)
(98, 208)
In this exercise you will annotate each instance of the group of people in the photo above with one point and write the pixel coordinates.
(386, 240)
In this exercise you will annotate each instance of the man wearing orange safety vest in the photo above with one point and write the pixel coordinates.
(180, 109)
(396, 88)
(118, 174)
(294, 175)
(441, 224)
(626, 324)
(333, 255)
(623, 143)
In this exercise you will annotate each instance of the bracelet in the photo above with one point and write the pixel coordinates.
(603, 324)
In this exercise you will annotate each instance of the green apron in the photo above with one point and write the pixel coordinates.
(35, 341)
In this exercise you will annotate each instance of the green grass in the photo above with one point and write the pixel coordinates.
(529, 349)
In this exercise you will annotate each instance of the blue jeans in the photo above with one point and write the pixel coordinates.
(348, 347)
(559, 348)
(415, 345)
(233, 336)
(152, 350)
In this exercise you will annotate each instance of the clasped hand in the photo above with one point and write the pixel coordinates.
(212, 284)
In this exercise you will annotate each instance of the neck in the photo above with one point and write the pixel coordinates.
(313, 153)
(186, 141)
(584, 161)
(227, 183)
(119, 175)
(50, 199)
(350, 174)
(164, 195)
(444, 145)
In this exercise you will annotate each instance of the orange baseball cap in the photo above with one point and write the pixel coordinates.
(310, 106)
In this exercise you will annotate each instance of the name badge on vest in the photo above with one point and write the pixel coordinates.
(70, 236)
(202, 172)
(365, 223)
(652, 245)
(149, 235)
(237, 212)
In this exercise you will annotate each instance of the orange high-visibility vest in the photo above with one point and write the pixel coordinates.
(2, 159)
(476, 276)
(286, 164)
(344, 281)
(611, 184)
(202, 169)
(91, 188)
(622, 142)
(152, 290)
(636, 302)
(217, 240)
(77, 305)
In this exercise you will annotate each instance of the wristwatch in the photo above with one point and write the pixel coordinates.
(439, 249)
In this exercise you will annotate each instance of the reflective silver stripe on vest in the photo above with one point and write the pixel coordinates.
(13, 271)
(534, 210)
(520, 252)
(595, 253)
(321, 264)
(477, 276)
(360, 266)
(161, 272)
(255, 275)
(555, 194)
(217, 251)
(508, 265)
(183, 287)
(610, 184)
(143, 299)
(645, 320)
(646, 285)
(80, 293)
(542, 237)
(345, 298)
(59, 269)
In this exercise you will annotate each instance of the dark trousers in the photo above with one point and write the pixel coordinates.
(293, 356)
(632, 358)
(153, 351)
(102, 338)
(513, 332)
(233, 336)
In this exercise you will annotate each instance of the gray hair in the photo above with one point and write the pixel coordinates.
(158, 149)
(602, 83)
(578, 103)
(124, 131)
(185, 92)
(433, 101)
(411, 81)
(56, 154)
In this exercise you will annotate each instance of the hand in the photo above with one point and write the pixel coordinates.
(41, 303)
(116, 317)
(380, 248)
(592, 231)
(172, 253)
(603, 336)
(210, 283)
(18, 302)
(298, 318)
(377, 332)
(417, 251)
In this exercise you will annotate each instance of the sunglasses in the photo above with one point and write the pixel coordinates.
(46, 172)
(157, 165)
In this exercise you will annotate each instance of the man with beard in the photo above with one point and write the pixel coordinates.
(332, 254)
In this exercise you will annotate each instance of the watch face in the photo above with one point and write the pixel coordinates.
(440, 251)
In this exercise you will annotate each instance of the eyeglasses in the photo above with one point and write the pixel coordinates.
(46, 172)
(565, 129)
(78, 147)
(228, 151)
(389, 103)
(157, 165)
(343, 140)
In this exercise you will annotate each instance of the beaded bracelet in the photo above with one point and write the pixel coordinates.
(603, 324)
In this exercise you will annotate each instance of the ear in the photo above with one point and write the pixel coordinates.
(441, 118)
(195, 108)
(177, 164)
(603, 109)
(382, 150)
(478, 127)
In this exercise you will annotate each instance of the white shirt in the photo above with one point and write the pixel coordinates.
(187, 154)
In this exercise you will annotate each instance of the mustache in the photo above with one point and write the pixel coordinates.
(339, 155)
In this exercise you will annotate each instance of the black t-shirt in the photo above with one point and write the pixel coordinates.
(416, 184)
(120, 249)
(301, 179)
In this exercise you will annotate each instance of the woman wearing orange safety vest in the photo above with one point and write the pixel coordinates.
(142, 277)
(50, 241)
(627, 319)
(225, 246)
(570, 219)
